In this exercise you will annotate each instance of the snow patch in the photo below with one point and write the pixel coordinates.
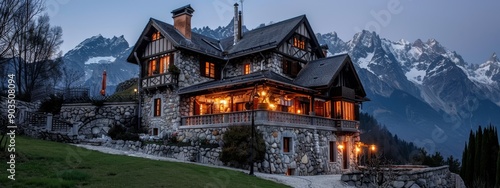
(101, 59)
(415, 75)
(364, 62)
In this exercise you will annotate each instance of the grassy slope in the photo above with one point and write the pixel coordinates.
(48, 164)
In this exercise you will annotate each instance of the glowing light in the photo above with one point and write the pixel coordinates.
(272, 106)
(223, 102)
(263, 93)
(340, 146)
(135, 90)
(358, 150)
(298, 111)
(373, 148)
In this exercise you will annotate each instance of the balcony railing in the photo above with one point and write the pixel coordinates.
(264, 117)
(160, 80)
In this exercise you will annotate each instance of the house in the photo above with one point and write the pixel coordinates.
(305, 104)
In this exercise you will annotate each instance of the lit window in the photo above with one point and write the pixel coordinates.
(158, 66)
(299, 42)
(209, 70)
(157, 107)
(156, 36)
(164, 63)
(344, 110)
(246, 68)
(286, 144)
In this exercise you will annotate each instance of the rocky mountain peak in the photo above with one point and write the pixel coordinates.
(494, 58)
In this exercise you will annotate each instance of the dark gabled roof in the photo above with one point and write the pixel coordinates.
(257, 40)
(262, 38)
(198, 43)
(239, 80)
(321, 72)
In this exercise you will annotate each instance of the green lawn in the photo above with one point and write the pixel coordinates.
(49, 164)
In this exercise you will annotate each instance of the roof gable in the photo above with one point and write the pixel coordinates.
(323, 72)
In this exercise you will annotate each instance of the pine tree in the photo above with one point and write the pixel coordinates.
(497, 183)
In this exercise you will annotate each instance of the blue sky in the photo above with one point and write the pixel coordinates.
(472, 28)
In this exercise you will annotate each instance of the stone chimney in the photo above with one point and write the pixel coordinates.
(236, 24)
(182, 20)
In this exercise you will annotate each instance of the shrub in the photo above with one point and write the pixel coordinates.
(51, 105)
(236, 150)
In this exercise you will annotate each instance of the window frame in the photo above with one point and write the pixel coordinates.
(287, 144)
(247, 68)
(156, 36)
(157, 107)
(159, 65)
(208, 69)
(299, 42)
(332, 152)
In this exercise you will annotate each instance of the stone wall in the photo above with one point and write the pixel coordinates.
(197, 153)
(94, 121)
(309, 153)
(404, 177)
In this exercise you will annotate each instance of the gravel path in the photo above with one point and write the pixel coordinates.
(319, 181)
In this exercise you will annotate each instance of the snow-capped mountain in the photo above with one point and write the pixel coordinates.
(94, 55)
(422, 91)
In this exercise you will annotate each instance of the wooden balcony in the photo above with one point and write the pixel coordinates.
(160, 80)
(264, 117)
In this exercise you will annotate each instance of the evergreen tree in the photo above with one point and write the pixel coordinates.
(497, 184)
(481, 164)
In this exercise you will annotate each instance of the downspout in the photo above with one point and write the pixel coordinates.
(263, 59)
(222, 70)
(139, 107)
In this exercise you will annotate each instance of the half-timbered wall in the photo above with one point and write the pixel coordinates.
(292, 51)
(158, 46)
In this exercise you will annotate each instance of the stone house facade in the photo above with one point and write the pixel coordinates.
(305, 104)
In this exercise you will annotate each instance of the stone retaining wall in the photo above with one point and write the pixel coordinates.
(400, 177)
(200, 154)
(95, 121)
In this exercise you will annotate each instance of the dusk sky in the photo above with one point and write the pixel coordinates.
(471, 28)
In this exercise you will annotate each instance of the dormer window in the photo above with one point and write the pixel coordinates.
(299, 42)
(209, 70)
(155, 36)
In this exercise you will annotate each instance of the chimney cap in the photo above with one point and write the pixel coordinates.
(183, 10)
(235, 4)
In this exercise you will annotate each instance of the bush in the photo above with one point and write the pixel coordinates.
(51, 105)
(236, 150)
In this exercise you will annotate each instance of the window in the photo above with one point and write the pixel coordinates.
(246, 68)
(155, 131)
(333, 152)
(152, 67)
(299, 41)
(286, 144)
(155, 36)
(344, 110)
(157, 107)
(290, 67)
(159, 65)
(209, 69)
